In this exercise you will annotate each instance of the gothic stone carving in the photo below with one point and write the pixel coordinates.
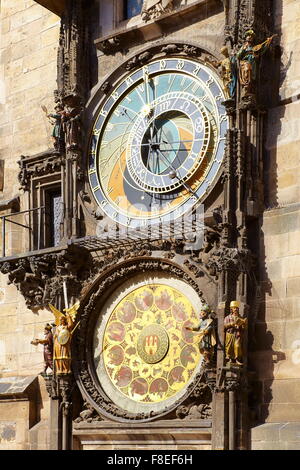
(138, 61)
(144, 57)
(65, 387)
(38, 278)
(51, 385)
(42, 164)
(202, 411)
(152, 9)
(230, 259)
(242, 15)
(181, 48)
(198, 405)
(88, 414)
(225, 379)
(73, 51)
(108, 46)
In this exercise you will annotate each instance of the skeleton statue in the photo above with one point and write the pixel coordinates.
(228, 72)
(154, 8)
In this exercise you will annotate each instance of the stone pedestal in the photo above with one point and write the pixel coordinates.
(160, 435)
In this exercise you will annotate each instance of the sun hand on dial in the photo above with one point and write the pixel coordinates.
(147, 109)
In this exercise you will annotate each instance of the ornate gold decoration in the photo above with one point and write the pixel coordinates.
(148, 353)
(153, 344)
(63, 337)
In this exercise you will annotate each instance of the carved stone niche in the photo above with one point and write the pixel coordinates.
(41, 177)
(99, 310)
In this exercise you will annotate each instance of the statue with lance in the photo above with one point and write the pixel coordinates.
(57, 344)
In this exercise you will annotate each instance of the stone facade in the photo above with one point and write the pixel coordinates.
(118, 437)
(278, 327)
(29, 42)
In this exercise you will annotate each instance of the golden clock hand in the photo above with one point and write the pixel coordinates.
(146, 82)
(162, 132)
(146, 110)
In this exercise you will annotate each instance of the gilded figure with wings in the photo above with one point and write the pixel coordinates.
(63, 336)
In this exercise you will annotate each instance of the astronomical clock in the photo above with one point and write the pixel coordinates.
(155, 151)
(158, 142)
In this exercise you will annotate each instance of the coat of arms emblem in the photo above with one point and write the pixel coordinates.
(153, 343)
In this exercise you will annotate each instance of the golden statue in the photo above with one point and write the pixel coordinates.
(62, 337)
(228, 73)
(234, 326)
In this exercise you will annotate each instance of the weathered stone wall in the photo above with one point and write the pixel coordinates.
(29, 40)
(209, 36)
(278, 327)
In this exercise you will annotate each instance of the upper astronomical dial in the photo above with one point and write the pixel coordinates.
(158, 141)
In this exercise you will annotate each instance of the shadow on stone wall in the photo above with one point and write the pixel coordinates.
(274, 72)
(262, 355)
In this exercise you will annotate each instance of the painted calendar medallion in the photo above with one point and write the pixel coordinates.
(145, 355)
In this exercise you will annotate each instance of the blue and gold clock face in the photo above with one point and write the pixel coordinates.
(158, 142)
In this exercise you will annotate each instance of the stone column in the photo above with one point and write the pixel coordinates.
(55, 424)
(65, 383)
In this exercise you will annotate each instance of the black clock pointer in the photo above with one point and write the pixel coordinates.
(175, 175)
(156, 147)
(168, 143)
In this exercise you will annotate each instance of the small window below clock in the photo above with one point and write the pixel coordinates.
(53, 217)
